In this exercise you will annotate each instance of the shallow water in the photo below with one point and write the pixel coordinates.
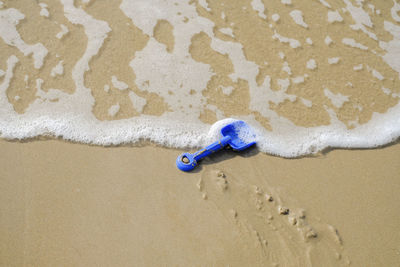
(305, 74)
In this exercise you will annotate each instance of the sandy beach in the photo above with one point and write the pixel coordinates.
(76, 205)
(98, 98)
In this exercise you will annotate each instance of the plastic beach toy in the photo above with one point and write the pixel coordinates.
(238, 135)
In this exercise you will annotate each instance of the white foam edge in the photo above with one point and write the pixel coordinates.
(382, 129)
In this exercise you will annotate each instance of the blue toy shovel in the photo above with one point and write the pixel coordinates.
(230, 136)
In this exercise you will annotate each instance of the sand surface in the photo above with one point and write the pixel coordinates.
(64, 204)
(283, 66)
(198, 62)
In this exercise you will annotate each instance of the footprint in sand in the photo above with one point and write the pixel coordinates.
(221, 181)
(280, 232)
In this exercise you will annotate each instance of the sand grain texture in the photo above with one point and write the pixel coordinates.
(71, 204)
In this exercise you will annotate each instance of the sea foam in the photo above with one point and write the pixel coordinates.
(71, 116)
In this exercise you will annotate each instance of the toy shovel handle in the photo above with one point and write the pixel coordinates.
(187, 162)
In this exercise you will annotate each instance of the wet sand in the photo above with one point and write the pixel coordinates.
(65, 204)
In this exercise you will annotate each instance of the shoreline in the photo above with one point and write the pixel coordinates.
(149, 143)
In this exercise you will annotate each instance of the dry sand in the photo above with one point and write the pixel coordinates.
(66, 204)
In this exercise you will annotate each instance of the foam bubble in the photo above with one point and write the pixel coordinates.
(292, 42)
(227, 90)
(311, 64)
(118, 84)
(63, 32)
(323, 2)
(328, 40)
(351, 42)
(113, 110)
(358, 67)
(377, 74)
(43, 11)
(297, 17)
(337, 99)
(258, 6)
(306, 102)
(334, 16)
(333, 60)
(58, 69)
(275, 17)
(227, 31)
(137, 101)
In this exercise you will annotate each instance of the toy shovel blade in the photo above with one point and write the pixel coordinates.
(237, 135)
(241, 135)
